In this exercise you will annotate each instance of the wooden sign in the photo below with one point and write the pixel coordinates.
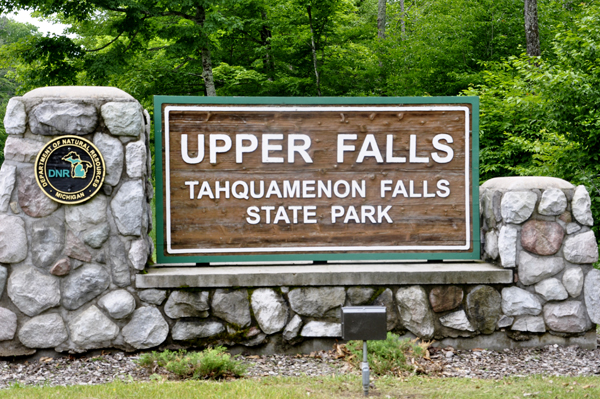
(244, 179)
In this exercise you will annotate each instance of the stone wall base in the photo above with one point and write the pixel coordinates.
(276, 345)
(500, 340)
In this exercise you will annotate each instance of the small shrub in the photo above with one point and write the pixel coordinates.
(211, 363)
(388, 356)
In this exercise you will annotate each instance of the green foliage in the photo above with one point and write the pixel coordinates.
(237, 80)
(388, 356)
(541, 116)
(10, 32)
(265, 47)
(211, 363)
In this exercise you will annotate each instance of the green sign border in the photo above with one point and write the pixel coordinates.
(362, 256)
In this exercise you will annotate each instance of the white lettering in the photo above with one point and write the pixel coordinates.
(291, 190)
(300, 149)
(385, 185)
(442, 147)
(411, 185)
(281, 215)
(443, 188)
(205, 190)
(336, 211)
(360, 190)
(367, 211)
(369, 149)
(192, 184)
(400, 189)
(184, 150)
(219, 189)
(240, 149)
(412, 153)
(253, 213)
(308, 186)
(308, 213)
(273, 190)
(294, 209)
(425, 193)
(351, 215)
(383, 214)
(267, 146)
(253, 191)
(267, 210)
(240, 194)
(214, 149)
(341, 147)
(389, 151)
(336, 188)
(323, 189)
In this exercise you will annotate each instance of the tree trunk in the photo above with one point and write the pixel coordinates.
(402, 20)
(314, 51)
(265, 36)
(381, 6)
(207, 75)
(531, 28)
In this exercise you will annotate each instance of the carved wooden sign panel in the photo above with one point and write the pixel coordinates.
(319, 180)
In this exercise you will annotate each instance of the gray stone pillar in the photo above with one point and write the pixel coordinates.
(67, 271)
(541, 228)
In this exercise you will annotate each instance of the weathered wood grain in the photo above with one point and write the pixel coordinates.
(222, 223)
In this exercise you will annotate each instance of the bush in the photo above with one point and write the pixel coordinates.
(211, 363)
(389, 356)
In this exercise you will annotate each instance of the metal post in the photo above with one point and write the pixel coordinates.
(365, 370)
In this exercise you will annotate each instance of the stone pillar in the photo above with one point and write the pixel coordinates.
(66, 271)
(541, 228)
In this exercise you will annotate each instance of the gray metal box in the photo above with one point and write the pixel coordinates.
(364, 323)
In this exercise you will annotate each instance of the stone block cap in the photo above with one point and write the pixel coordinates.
(99, 92)
(526, 183)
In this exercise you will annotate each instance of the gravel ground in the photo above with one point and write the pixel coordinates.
(447, 362)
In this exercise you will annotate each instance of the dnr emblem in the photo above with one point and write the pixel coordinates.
(78, 167)
(70, 170)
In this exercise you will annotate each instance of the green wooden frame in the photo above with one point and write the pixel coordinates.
(362, 256)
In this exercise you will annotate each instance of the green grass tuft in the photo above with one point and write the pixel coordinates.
(211, 363)
(388, 356)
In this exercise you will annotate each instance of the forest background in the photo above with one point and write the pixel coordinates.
(540, 106)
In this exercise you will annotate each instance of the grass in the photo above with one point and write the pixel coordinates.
(211, 363)
(389, 356)
(347, 386)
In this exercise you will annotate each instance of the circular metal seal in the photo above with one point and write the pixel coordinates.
(70, 169)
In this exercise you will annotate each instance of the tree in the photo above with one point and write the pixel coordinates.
(437, 47)
(184, 28)
(10, 32)
(531, 28)
(544, 118)
(381, 10)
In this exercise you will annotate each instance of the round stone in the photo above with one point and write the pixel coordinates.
(446, 297)
(484, 306)
(146, 329)
(542, 238)
(553, 202)
(45, 331)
